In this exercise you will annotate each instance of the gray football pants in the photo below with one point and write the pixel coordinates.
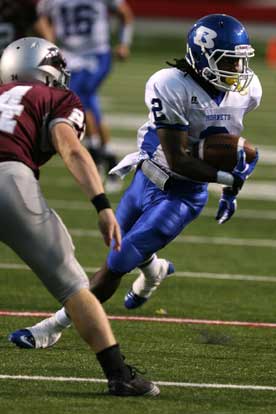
(36, 233)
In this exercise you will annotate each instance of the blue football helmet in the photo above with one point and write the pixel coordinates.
(218, 49)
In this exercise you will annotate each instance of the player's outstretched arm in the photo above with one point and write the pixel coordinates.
(82, 167)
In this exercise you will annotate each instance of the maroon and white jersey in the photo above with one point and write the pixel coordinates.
(28, 111)
(16, 19)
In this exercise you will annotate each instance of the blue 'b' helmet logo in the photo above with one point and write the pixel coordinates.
(204, 37)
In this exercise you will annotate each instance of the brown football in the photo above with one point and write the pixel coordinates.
(221, 150)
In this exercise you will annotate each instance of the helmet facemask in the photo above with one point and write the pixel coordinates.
(235, 76)
(54, 70)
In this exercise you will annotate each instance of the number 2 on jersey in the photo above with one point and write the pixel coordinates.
(157, 108)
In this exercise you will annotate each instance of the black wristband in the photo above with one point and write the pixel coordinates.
(100, 202)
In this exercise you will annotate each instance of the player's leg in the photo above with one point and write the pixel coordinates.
(169, 213)
(98, 133)
(104, 283)
(106, 280)
(152, 272)
(31, 229)
(162, 216)
(92, 79)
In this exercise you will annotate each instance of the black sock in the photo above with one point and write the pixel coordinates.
(112, 363)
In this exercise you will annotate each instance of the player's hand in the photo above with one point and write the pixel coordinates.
(227, 205)
(110, 228)
(242, 170)
(122, 51)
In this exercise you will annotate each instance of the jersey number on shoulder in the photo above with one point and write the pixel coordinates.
(10, 106)
(77, 118)
(157, 109)
(77, 20)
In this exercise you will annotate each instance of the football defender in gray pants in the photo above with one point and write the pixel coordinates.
(40, 116)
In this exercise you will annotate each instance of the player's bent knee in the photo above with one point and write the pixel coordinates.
(127, 259)
(65, 280)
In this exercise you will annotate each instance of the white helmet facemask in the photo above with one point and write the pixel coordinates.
(230, 80)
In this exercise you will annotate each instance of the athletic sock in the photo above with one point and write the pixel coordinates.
(62, 318)
(112, 363)
(150, 267)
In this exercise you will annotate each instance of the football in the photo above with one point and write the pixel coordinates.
(221, 150)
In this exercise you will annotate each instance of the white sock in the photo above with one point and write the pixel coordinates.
(151, 267)
(62, 318)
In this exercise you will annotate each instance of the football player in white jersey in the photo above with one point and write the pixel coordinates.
(82, 29)
(208, 91)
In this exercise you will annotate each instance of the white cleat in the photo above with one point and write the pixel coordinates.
(42, 335)
(144, 286)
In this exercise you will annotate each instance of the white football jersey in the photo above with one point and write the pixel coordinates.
(81, 26)
(176, 100)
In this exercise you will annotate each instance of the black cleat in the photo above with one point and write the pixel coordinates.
(134, 387)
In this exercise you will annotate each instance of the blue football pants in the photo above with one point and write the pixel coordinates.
(150, 218)
(86, 83)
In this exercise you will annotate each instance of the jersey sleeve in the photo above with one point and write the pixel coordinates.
(165, 98)
(67, 108)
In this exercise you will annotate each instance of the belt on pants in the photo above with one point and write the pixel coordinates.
(158, 176)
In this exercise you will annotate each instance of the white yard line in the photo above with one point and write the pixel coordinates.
(192, 275)
(227, 241)
(209, 212)
(161, 383)
(254, 190)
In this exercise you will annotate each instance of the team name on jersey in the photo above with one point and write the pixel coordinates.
(218, 117)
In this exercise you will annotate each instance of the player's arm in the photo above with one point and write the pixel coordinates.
(43, 25)
(82, 167)
(45, 29)
(126, 17)
(174, 144)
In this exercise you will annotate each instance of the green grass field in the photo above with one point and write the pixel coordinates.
(223, 273)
